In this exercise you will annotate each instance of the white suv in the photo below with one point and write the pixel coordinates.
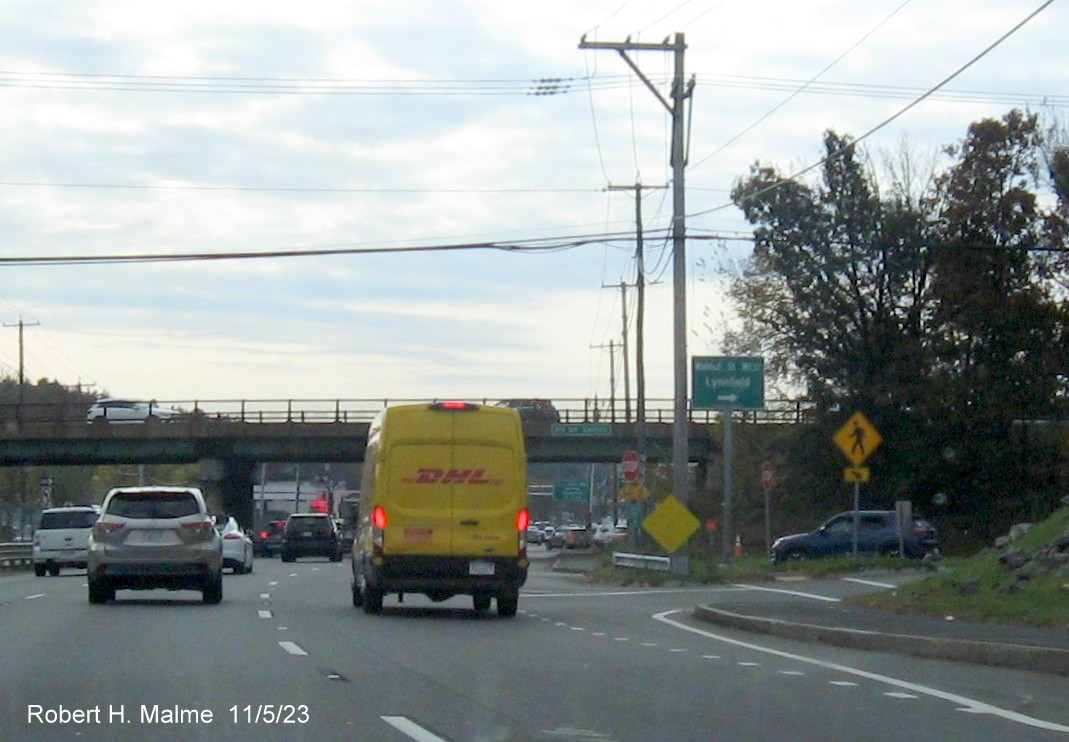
(155, 537)
(62, 539)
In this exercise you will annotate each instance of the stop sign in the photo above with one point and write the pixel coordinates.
(768, 473)
(629, 466)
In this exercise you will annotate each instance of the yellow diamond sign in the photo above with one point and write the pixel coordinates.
(857, 439)
(671, 524)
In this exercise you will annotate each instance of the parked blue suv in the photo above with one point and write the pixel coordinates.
(877, 533)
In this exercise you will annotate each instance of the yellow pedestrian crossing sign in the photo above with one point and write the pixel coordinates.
(858, 439)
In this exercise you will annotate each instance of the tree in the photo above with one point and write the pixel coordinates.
(927, 311)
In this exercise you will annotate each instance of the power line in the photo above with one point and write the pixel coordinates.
(898, 114)
(281, 189)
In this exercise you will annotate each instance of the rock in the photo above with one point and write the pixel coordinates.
(1060, 544)
(1015, 559)
(1030, 570)
(1019, 530)
(1002, 542)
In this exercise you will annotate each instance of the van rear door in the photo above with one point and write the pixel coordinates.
(420, 503)
(490, 487)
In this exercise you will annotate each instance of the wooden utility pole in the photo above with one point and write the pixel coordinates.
(640, 334)
(22, 364)
(681, 90)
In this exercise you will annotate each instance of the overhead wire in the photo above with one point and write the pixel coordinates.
(798, 91)
(898, 114)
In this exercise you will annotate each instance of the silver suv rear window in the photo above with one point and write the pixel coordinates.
(148, 506)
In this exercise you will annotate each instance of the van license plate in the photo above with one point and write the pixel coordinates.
(480, 568)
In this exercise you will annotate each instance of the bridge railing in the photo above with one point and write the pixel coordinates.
(570, 410)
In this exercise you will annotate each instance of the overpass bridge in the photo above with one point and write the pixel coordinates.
(233, 436)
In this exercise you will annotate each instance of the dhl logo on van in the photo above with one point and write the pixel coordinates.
(452, 476)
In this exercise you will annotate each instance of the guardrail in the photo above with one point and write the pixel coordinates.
(16, 554)
(641, 561)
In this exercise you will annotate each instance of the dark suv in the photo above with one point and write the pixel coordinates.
(533, 410)
(310, 534)
(877, 533)
(268, 540)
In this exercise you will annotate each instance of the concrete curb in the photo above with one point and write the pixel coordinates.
(1049, 660)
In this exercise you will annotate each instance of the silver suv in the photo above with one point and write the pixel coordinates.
(155, 537)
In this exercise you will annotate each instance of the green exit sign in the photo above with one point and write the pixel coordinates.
(728, 383)
(571, 491)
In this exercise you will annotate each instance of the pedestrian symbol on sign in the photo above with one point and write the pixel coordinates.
(858, 439)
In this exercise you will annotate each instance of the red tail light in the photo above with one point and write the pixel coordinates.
(198, 526)
(264, 535)
(232, 536)
(455, 406)
(105, 526)
(378, 517)
(523, 519)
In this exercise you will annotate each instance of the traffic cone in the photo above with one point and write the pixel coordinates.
(738, 546)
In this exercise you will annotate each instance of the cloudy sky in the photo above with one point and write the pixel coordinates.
(144, 129)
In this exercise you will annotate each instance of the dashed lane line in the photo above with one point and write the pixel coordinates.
(411, 729)
(293, 648)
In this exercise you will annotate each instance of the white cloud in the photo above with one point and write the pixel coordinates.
(421, 168)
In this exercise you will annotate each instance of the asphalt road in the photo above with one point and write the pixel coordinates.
(286, 656)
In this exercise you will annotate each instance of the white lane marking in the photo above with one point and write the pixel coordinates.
(843, 683)
(264, 614)
(411, 729)
(265, 596)
(791, 672)
(873, 583)
(710, 656)
(968, 703)
(577, 628)
(900, 695)
(797, 593)
(677, 651)
(748, 664)
(35, 597)
(621, 639)
(272, 583)
(649, 644)
(293, 648)
(598, 633)
(625, 593)
(293, 574)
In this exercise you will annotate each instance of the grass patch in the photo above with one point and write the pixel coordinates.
(977, 588)
(707, 568)
(980, 588)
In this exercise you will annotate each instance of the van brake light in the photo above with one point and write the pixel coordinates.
(378, 517)
(523, 519)
(454, 406)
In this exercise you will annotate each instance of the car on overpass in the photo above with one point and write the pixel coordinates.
(533, 410)
(114, 410)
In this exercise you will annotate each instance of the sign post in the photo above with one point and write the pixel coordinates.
(768, 479)
(727, 383)
(857, 439)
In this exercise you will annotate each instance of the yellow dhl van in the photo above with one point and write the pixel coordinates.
(443, 506)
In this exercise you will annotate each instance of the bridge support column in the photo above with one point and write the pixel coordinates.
(227, 485)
